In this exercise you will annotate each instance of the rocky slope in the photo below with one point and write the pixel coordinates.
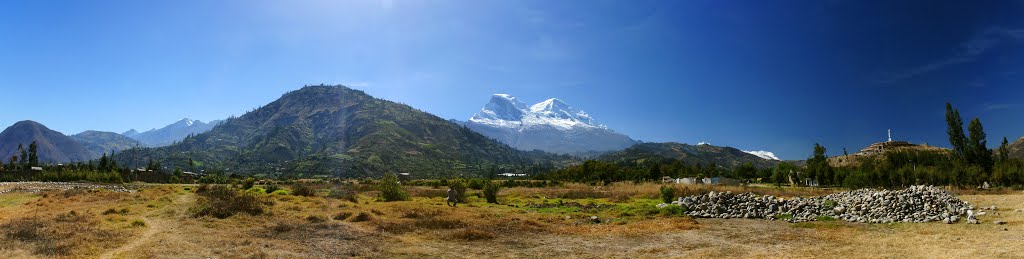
(878, 150)
(551, 125)
(1017, 148)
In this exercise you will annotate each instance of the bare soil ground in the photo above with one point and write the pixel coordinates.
(156, 222)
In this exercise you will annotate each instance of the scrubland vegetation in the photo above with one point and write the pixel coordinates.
(349, 218)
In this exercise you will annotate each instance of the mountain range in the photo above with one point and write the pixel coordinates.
(551, 126)
(100, 142)
(53, 146)
(704, 154)
(171, 133)
(335, 130)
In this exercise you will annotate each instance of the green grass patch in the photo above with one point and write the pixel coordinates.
(16, 198)
(783, 216)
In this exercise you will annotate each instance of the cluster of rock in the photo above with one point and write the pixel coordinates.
(35, 187)
(914, 204)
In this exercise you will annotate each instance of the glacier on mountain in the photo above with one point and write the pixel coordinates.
(551, 125)
(763, 154)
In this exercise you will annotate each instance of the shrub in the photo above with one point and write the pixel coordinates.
(222, 202)
(459, 185)
(439, 223)
(138, 223)
(390, 189)
(472, 235)
(114, 211)
(315, 219)
(668, 193)
(343, 215)
(361, 216)
(203, 188)
(256, 190)
(343, 194)
(248, 183)
(271, 188)
(491, 192)
(303, 190)
(475, 184)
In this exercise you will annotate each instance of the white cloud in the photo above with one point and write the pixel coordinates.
(977, 45)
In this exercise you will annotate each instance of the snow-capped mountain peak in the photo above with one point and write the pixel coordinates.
(763, 154)
(507, 111)
(551, 125)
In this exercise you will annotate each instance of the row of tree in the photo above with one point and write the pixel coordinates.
(969, 163)
(29, 157)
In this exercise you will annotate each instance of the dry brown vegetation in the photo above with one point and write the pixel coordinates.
(160, 221)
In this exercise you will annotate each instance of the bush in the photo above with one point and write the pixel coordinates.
(472, 235)
(343, 215)
(343, 194)
(115, 211)
(475, 184)
(271, 188)
(491, 191)
(222, 202)
(248, 184)
(303, 190)
(459, 185)
(138, 223)
(390, 189)
(361, 216)
(315, 219)
(668, 193)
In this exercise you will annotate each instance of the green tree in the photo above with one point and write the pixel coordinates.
(33, 154)
(390, 189)
(104, 163)
(1004, 152)
(979, 153)
(24, 155)
(818, 167)
(955, 130)
(746, 171)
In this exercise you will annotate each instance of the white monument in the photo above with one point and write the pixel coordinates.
(890, 135)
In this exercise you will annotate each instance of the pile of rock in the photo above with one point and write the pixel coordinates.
(36, 187)
(914, 204)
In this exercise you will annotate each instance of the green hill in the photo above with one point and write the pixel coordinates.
(100, 142)
(727, 157)
(334, 130)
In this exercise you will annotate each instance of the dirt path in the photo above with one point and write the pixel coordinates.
(154, 225)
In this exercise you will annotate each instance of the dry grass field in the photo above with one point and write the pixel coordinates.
(159, 221)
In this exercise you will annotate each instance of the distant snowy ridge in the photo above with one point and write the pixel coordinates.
(763, 154)
(550, 125)
(506, 111)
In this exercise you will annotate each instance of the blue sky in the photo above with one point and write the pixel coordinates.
(756, 75)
